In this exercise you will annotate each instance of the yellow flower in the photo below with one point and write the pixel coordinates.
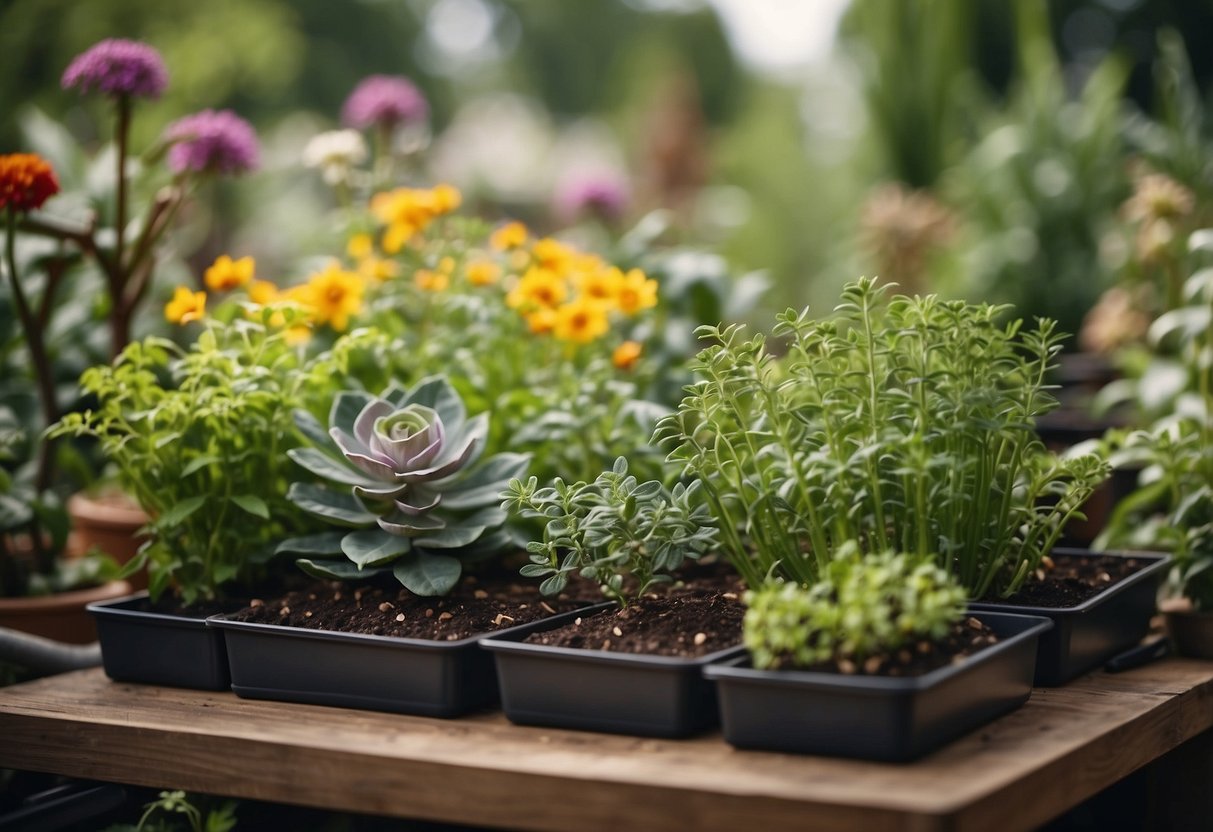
(262, 292)
(378, 268)
(407, 211)
(581, 321)
(552, 255)
(431, 281)
(446, 265)
(331, 296)
(297, 335)
(600, 285)
(538, 287)
(509, 236)
(445, 199)
(360, 246)
(636, 292)
(542, 320)
(185, 306)
(483, 272)
(226, 273)
(626, 355)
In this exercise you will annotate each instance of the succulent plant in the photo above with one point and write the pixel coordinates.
(412, 489)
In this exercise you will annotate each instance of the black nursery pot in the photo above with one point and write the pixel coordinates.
(157, 648)
(595, 690)
(886, 718)
(355, 670)
(1085, 636)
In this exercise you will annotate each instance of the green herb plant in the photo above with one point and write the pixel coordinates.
(402, 477)
(1172, 508)
(860, 608)
(626, 534)
(200, 437)
(901, 423)
(175, 810)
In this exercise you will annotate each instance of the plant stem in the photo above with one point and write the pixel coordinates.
(120, 317)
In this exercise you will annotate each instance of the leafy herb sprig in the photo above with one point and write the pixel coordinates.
(902, 423)
(625, 534)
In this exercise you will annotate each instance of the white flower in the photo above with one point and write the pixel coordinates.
(335, 153)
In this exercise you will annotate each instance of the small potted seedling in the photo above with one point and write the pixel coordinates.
(905, 423)
(634, 666)
(412, 503)
(877, 660)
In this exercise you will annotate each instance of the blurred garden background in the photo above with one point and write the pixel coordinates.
(987, 143)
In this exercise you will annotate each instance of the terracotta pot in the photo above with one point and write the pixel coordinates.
(109, 522)
(62, 616)
(1191, 632)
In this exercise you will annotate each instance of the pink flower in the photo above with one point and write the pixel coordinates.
(118, 67)
(384, 99)
(212, 142)
(603, 196)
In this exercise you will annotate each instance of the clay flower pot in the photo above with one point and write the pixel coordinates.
(1191, 632)
(61, 617)
(108, 521)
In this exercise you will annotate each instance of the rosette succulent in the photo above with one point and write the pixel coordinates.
(404, 475)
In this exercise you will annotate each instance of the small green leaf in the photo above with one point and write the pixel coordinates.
(179, 512)
(336, 569)
(374, 547)
(323, 465)
(336, 507)
(426, 574)
(325, 543)
(198, 463)
(252, 504)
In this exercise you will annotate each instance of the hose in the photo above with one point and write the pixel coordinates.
(43, 656)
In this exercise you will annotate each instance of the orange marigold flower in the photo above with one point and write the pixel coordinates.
(26, 181)
(185, 306)
(538, 287)
(636, 292)
(581, 321)
(509, 236)
(483, 272)
(626, 355)
(225, 273)
(431, 281)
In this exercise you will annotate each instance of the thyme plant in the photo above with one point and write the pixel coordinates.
(625, 534)
(900, 423)
(862, 607)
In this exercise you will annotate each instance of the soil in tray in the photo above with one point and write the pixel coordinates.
(476, 606)
(964, 639)
(1072, 580)
(168, 605)
(682, 622)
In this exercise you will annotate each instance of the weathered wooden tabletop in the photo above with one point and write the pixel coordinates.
(1065, 745)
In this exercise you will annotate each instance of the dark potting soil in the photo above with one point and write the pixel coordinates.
(1071, 579)
(965, 638)
(687, 623)
(474, 607)
(168, 605)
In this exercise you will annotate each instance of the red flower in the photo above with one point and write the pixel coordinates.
(26, 181)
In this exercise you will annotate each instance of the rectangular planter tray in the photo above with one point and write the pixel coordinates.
(1087, 635)
(892, 719)
(355, 670)
(159, 649)
(594, 690)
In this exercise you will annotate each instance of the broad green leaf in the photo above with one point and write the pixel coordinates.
(346, 407)
(323, 465)
(252, 504)
(325, 543)
(14, 512)
(373, 547)
(484, 485)
(198, 463)
(179, 512)
(338, 569)
(310, 427)
(437, 393)
(426, 574)
(336, 507)
(402, 524)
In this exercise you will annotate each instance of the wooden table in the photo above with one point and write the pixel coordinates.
(1065, 745)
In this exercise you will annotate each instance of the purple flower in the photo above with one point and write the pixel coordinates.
(118, 67)
(212, 142)
(603, 195)
(384, 99)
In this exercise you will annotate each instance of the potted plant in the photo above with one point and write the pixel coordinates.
(876, 660)
(199, 436)
(1172, 508)
(403, 479)
(904, 423)
(635, 666)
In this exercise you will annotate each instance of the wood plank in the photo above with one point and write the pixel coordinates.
(1065, 745)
